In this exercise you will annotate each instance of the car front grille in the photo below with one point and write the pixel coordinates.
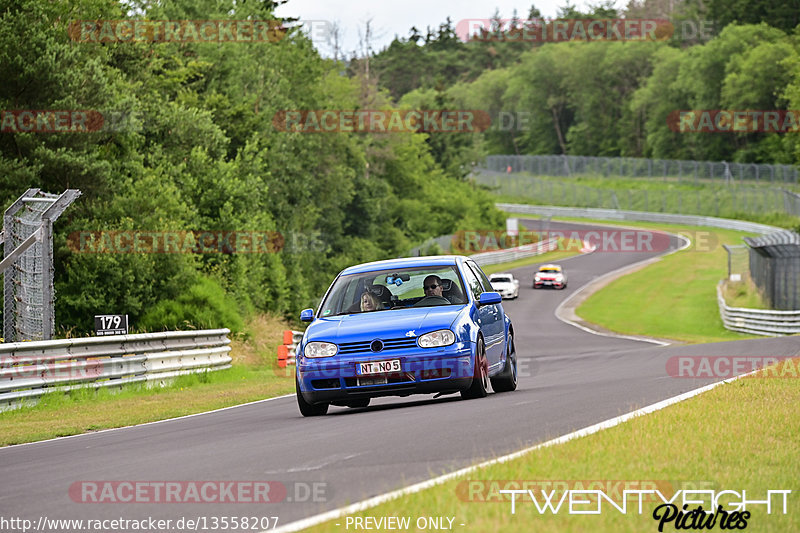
(325, 384)
(388, 344)
(391, 379)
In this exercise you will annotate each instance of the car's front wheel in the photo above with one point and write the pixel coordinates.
(480, 375)
(506, 381)
(309, 409)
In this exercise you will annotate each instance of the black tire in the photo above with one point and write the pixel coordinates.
(361, 402)
(309, 409)
(506, 381)
(480, 379)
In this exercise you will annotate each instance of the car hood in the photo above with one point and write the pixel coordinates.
(388, 324)
(501, 285)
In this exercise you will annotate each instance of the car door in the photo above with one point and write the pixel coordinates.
(491, 316)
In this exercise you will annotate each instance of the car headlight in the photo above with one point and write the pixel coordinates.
(320, 349)
(537, 277)
(559, 277)
(436, 339)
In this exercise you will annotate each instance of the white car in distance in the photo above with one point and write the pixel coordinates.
(506, 284)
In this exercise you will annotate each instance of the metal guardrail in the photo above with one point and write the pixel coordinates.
(757, 321)
(638, 216)
(512, 254)
(31, 369)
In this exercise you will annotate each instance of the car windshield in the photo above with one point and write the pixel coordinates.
(550, 270)
(501, 279)
(393, 289)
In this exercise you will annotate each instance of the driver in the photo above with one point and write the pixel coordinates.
(433, 286)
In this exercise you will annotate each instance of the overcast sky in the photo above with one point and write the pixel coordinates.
(390, 18)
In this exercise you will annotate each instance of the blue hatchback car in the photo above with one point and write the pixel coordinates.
(420, 325)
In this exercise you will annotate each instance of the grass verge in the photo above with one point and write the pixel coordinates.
(254, 376)
(743, 293)
(738, 436)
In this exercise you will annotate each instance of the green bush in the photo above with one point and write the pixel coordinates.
(205, 305)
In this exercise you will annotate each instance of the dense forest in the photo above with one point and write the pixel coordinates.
(196, 148)
(612, 97)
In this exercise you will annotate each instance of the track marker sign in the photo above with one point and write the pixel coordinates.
(110, 325)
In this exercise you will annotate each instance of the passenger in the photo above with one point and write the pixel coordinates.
(369, 302)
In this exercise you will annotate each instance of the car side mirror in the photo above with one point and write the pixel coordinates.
(306, 315)
(488, 298)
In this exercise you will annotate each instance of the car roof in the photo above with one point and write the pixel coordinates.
(504, 274)
(550, 267)
(405, 262)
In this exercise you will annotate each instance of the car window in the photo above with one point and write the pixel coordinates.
(550, 270)
(487, 286)
(472, 282)
(390, 289)
(501, 279)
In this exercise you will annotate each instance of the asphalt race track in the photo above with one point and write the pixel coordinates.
(569, 379)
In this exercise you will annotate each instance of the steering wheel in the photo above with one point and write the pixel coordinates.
(432, 300)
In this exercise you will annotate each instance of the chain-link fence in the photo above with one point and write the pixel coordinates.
(738, 262)
(629, 167)
(23, 293)
(775, 268)
(28, 267)
(714, 201)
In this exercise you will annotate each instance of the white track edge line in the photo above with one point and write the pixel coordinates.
(417, 487)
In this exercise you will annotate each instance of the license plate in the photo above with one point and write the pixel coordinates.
(377, 367)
